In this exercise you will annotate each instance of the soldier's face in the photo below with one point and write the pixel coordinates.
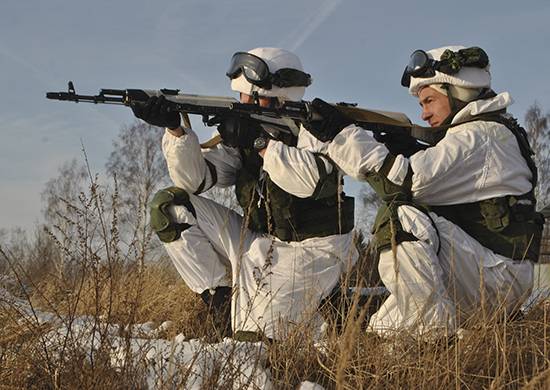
(435, 106)
(264, 101)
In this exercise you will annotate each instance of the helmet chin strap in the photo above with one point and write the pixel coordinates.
(256, 98)
(455, 104)
(273, 101)
(452, 101)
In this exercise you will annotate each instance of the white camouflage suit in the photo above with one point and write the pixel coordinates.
(474, 161)
(217, 251)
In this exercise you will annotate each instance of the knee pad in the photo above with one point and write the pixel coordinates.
(420, 224)
(162, 222)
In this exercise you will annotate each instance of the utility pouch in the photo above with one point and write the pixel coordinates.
(507, 225)
(161, 221)
(387, 230)
(495, 213)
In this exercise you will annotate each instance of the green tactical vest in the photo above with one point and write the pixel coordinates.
(270, 209)
(387, 230)
(508, 225)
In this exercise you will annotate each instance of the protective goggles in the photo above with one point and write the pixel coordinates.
(256, 71)
(421, 65)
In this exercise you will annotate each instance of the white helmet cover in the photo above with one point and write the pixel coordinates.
(275, 59)
(467, 77)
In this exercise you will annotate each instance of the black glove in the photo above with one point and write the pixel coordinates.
(156, 112)
(331, 123)
(400, 143)
(239, 131)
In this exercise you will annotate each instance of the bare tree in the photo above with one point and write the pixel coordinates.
(62, 200)
(537, 125)
(63, 191)
(140, 170)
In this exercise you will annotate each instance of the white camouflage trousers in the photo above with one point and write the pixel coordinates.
(436, 293)
(276, 284)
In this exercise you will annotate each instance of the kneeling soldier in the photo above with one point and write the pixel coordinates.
(458, 229)
(294, 241)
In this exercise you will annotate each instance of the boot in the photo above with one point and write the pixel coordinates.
(218, 302)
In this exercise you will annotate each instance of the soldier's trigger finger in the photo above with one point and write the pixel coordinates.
(214, 121)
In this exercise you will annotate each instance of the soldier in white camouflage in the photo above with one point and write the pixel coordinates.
(458, 229)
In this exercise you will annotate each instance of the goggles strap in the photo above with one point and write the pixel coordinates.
(287, 77)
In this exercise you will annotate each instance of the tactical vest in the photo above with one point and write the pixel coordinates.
(507, 225)
(269, 209)
(387, 230)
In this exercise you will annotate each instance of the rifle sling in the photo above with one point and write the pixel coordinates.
(212, 142)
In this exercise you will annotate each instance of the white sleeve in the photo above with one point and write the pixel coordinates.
(450, 171)
(475, 161)
(295, 169)
(227, 161)
(187, 164)
(356, 152)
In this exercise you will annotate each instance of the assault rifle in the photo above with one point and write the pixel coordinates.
(392, 128)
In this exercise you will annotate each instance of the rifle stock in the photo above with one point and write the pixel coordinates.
(388, 118)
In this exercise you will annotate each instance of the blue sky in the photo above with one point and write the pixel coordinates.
(355, 50)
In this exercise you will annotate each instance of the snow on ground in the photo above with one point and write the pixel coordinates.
(188, 364)
(168, 363)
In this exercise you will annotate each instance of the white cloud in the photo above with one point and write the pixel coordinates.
(315, 20)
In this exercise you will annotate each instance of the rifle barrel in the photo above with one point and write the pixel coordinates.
(72, 97)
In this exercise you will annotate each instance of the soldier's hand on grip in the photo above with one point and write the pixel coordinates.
(239, 131)
(331, 123)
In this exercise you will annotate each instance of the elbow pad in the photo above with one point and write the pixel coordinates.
(162, 222)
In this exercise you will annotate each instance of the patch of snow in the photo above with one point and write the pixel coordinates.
(310, 386)
(177, 363)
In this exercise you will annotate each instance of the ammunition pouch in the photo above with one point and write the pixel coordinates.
(495, 213)
(387, 230)
(509, 225)
(293, 219)
(387, 190)
(162, 223)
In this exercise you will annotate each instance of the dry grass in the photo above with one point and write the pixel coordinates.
(492, 355)
(91, 276)
(155, 295)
